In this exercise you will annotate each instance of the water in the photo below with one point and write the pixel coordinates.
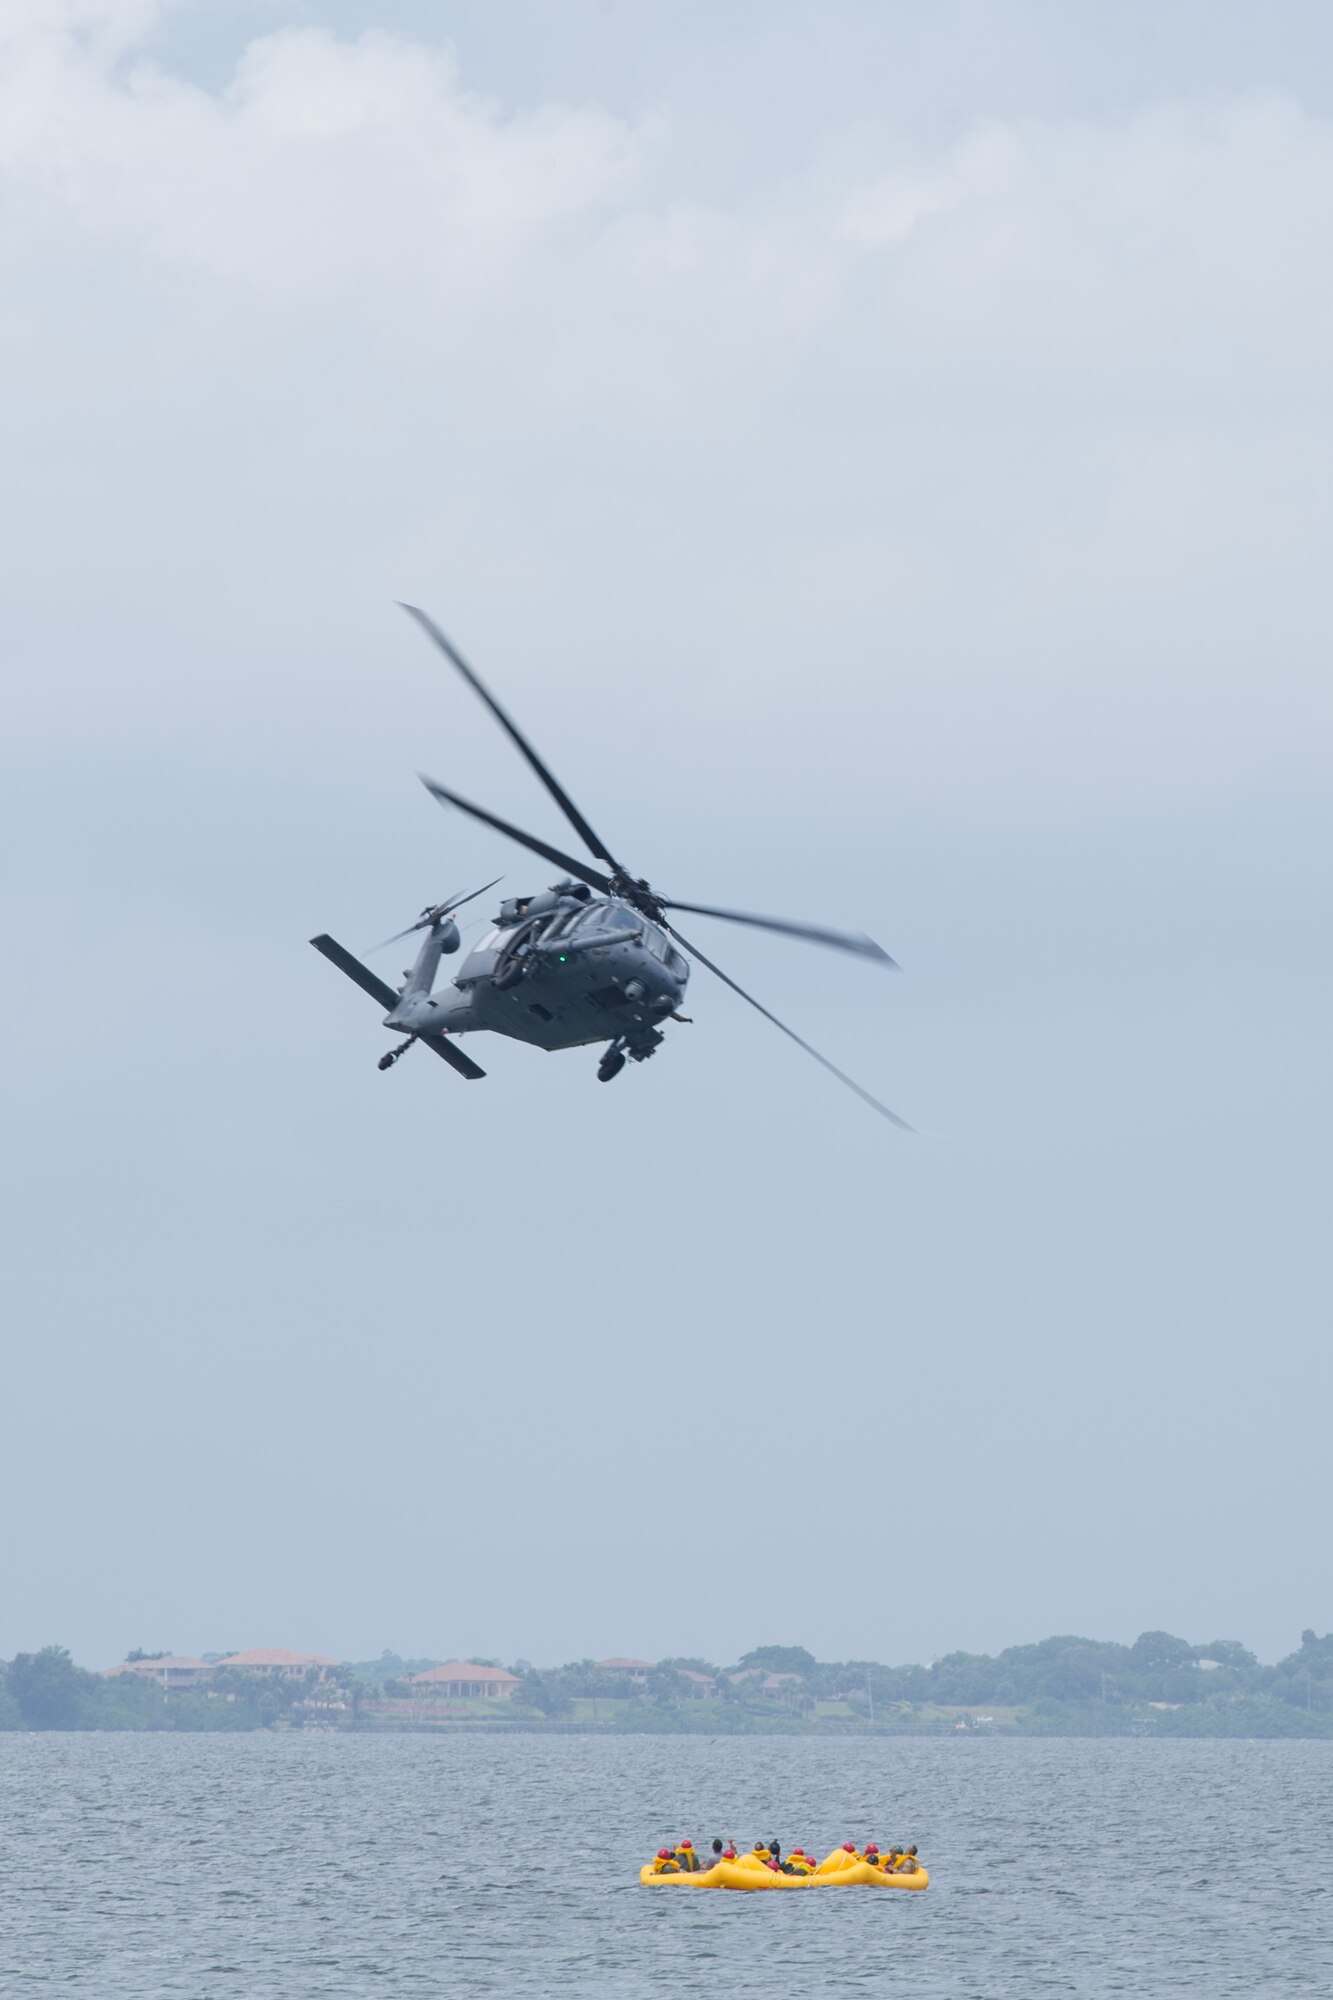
(243, 1867)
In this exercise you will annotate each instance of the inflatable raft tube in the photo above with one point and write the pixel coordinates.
(726, 1875)
(874, 1878)
(736, 1875)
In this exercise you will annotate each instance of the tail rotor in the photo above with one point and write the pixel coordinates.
(436, 915)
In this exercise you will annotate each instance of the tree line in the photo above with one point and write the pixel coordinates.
(46, 1690)
(1057, 1685)
(1047, 1676)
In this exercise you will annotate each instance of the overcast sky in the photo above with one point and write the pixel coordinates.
(881, 454)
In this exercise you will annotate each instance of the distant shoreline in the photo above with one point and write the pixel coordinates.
(1161, 1687)
(1050, 1731)
(1047, 1730)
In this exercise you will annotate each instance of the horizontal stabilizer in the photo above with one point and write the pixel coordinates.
(388, 999)
(354, 969)
(453, 1056)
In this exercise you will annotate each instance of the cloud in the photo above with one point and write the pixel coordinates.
(322, 163)
(887, 208)
(1069, 367)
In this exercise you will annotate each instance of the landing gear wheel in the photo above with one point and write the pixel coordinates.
(611, 1065)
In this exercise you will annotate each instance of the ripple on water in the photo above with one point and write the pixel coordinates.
(195, 1868)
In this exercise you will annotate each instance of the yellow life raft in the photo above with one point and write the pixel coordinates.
(838, 1870)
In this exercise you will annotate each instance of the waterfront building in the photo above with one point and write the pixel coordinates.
(460, 1679)
(276, 1661)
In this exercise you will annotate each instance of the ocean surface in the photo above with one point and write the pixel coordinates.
(302, 1865)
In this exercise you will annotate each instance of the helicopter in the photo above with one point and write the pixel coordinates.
(594, 958)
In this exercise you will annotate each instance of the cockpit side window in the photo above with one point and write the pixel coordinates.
(619, 919)
(680, 966)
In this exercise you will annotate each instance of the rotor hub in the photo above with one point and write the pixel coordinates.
(636, 891)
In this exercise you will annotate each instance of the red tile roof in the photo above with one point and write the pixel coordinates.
(464, 1670)
(628, 1666)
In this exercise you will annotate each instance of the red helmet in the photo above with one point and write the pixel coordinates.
(664, 1854)
(872, 1847)
(687, 1843)
(849, 1847)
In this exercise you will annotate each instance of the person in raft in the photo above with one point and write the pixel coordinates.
(665, 1862)
(688, 1859)
(894, 1860)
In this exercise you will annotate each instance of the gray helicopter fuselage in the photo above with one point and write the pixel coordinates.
(594, 958)
(562, 971)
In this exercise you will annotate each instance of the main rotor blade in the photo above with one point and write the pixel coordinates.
(791, 1034)
(552, 854)
(516, 736)
(856, 941)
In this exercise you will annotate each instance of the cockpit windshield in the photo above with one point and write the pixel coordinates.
(657, 944)
(609, 917)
